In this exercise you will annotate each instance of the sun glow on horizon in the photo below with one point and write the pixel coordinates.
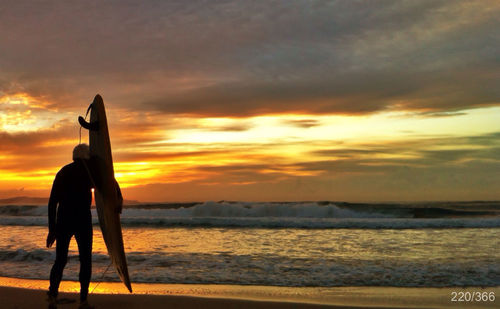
(225, 151)
(202, 146)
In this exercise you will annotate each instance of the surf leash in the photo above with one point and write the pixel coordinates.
(80, 141)
(102, 277)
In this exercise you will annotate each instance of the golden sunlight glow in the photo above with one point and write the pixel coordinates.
(23, 113)
(134, 173)
(34, 180)
(285, 140)
(381, 126)
(274, 147)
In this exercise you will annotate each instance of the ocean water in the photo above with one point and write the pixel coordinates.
(313, 244)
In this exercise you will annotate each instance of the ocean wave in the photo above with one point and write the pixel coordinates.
(215, 209)
(312, 215)
(23, 210)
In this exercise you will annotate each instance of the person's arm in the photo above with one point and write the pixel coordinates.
(53, 201)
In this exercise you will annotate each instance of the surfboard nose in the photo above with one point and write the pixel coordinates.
(97, 98)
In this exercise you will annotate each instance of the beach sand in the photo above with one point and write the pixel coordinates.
(23, 293)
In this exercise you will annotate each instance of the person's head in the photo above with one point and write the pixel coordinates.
(81, 151)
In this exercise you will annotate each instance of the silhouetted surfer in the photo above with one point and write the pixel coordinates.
(72, 191)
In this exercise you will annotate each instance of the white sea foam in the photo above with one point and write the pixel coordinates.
(261, 270)
(279, 257)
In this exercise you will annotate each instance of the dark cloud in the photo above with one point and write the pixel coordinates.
(33, 153)
(231, 128)
(492, 139)
(303, 123)
(420, 153)
(127, 156)
(450, 155)
(442, 114)
(251, 57)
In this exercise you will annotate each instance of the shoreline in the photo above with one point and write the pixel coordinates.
(157, 295)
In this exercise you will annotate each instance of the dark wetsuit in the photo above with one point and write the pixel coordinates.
(72, 191)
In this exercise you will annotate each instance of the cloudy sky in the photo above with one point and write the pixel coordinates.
(257, 100)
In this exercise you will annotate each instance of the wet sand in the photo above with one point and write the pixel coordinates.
(23, 293)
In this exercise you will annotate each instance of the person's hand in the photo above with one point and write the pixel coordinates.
(50, 239)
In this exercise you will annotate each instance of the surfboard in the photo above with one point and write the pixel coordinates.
(107, 198)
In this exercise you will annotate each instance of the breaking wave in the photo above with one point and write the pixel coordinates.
(311, 215)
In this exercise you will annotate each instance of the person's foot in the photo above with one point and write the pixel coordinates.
(85, 305)
(52, 299)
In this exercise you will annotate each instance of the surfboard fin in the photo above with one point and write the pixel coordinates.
(93, 126)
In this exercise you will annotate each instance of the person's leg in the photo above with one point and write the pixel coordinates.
(84, 240)
(56, 273)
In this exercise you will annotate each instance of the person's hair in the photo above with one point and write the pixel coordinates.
(81, 151)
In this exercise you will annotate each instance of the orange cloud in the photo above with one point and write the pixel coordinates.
(287, 156)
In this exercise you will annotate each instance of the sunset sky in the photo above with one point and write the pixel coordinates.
(257, 100)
